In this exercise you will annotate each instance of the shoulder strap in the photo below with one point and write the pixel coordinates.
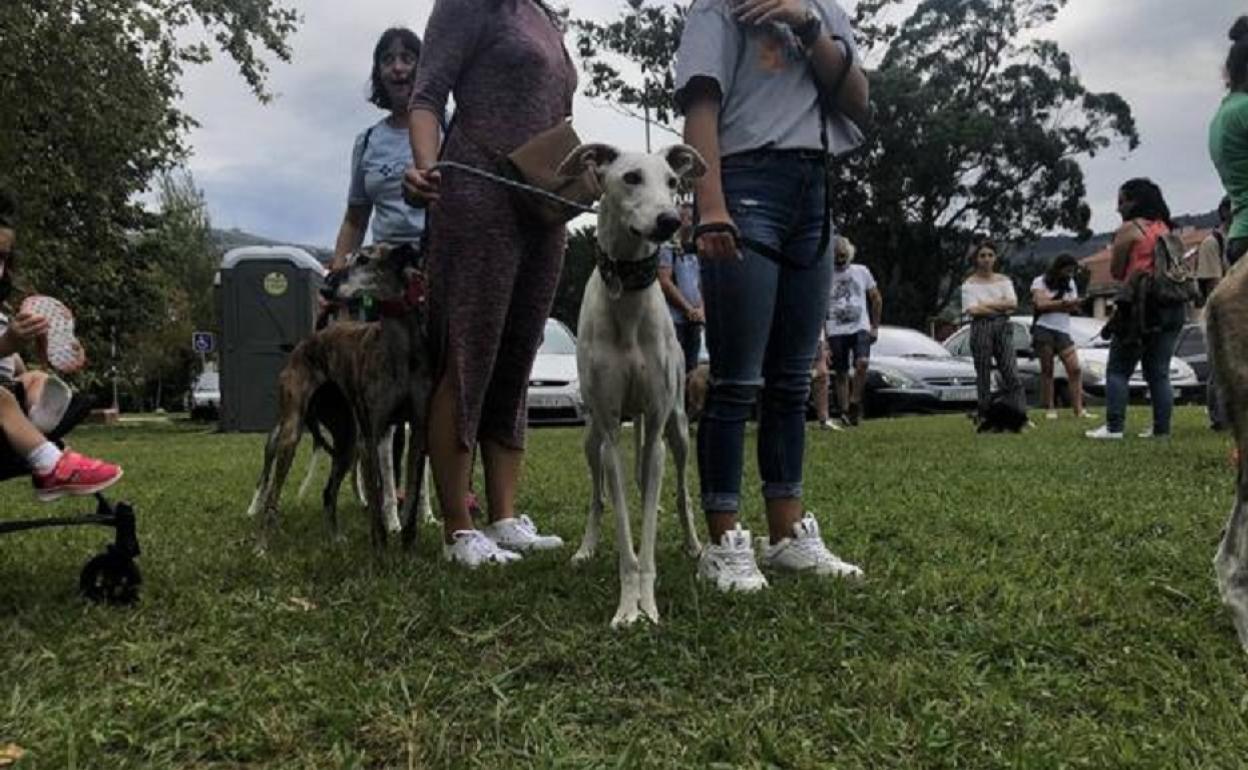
(367, 136)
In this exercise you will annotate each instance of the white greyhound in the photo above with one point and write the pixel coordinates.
(628, 359)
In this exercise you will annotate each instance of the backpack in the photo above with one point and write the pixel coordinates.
(1174, 281)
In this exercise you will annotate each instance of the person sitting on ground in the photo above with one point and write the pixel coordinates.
(54, 473)
(682, 288)
(1055, 296)
(851, 330)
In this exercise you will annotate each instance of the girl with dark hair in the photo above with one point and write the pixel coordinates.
(988, 298)
(492, 272)
(382, 153)
(1146, 217)
(1228, 139)
(1055, 296)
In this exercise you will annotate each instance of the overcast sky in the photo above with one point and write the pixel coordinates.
(280, 170)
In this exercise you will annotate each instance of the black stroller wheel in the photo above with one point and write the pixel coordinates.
(111, 578)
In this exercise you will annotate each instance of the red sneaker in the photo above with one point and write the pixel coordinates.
(75, 474)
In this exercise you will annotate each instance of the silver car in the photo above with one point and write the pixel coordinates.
(554, 395)
(1093, 355)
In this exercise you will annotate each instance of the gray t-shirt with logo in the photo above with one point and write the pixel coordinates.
(769, 94)
(377, 180)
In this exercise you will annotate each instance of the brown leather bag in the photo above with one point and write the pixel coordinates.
(536, 163)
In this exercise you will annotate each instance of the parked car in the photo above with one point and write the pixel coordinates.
(204, 400)
(1194, 351)
(911, 372)
(554, 395)
(1093, 355)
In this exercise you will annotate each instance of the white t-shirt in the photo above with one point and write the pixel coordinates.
(976, 293)
(1059, 322)
(847, 301)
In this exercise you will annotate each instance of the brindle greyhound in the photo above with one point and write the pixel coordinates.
(1226, 318)
(384, 371)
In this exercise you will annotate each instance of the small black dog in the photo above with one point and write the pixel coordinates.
(1002, 417)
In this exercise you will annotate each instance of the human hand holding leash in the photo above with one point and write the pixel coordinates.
(421, 186)
(716, 237)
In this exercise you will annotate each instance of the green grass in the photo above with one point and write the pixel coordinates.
(1031, 601)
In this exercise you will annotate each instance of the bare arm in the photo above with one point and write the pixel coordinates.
(424, 132)
(350, 234)
(702, 133)
(1124, 242)
(827, 57)
(671, 293)
(877, 307)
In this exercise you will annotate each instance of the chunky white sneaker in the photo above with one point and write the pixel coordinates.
(471, 548)
(730, 565)
(831, 425)
(806, 551)
(1103, 433)
(1085, 414)
(520, 534)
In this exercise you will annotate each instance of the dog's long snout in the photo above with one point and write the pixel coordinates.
(666, 225)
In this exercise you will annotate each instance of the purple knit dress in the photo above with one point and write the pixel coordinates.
(492, 275)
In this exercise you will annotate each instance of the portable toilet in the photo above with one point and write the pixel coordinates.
(267, 303)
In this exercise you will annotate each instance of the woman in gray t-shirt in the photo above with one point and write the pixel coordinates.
(382, 153)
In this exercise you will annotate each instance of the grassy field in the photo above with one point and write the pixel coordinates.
(1031, 601)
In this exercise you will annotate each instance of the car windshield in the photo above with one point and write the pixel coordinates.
(208, 381)
(556, 341)
(1086, 332)
(907, 343)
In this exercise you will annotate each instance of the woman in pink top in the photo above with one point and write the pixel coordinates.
(1145, 216)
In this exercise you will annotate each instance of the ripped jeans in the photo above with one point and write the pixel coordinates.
(763, 321)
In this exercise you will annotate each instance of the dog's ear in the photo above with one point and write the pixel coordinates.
(588, 156)
(685, 161)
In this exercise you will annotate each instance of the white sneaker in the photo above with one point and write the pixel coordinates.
(831, 425)
(730, 565)
(1051, 414)
(1087, 415)
(806, 551)
(1103, 433)
(1149, 433)
(520, 534)
(471, 548)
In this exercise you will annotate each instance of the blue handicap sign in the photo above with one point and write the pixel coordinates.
(203, 342)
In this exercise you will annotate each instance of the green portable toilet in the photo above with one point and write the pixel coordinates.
(267, 303)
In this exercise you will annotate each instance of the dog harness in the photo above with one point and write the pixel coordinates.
(628, 274)
(413, 297)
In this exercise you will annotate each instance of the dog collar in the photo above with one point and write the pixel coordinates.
(413, 297)
(628, 275)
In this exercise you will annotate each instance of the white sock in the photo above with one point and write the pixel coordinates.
(44, 458)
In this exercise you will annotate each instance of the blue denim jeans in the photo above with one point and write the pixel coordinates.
(763, 321)
(1153, 355)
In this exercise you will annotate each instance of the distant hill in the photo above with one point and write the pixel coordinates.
(235, 238)
(1044, 250)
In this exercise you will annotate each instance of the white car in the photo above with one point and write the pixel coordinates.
(554, 395)
(1093, 355)
(204, 400)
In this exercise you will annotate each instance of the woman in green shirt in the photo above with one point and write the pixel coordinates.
(1228, 139)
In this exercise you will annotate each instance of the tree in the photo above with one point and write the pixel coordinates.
(90, 90)
(979, 126)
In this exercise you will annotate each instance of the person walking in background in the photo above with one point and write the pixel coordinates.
(1228, 140)
(988, 298)
(492, 273)
(682, 288)
(768, 89)
(853, 325)
(1146, 217)
(1054, 295)
(819, 385)
(1211, 267)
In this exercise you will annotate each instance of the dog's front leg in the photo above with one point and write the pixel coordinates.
(593, 446)
(1230, 564)
(416, 490)
(369, 463)
(677, 431)
(385, 464)
(628, 611)
(652, 484)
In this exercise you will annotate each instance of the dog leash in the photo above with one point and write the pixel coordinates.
(504, 181)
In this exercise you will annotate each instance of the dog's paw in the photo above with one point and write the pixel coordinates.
(626, 616)
(582, 555)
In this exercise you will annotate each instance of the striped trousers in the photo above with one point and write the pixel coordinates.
(992, 342)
